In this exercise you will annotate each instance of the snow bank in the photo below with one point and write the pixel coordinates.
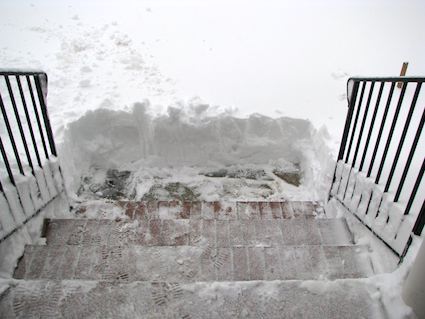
(192, 135)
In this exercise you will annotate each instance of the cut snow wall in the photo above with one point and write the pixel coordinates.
(187, 136)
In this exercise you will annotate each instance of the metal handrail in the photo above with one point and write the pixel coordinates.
(26, 93)
(360, 93)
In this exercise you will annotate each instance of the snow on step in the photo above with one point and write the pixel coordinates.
(344, 299)
(221, 233)
(213, 210)
(189, 263)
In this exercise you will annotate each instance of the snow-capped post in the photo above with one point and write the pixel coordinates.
(414, 287)
(402, 73)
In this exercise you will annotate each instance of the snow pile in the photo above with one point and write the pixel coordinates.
(195, 139)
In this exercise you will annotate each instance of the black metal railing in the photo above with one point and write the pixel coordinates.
(382, 147)
(27, 145)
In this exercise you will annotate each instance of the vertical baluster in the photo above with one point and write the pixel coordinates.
(372, 122)
(45, 115)
(18, 120)
(27, 116)
(381, 128)
(353, 132)
(355, 121)
(415, 189)
(410, 157)
(420, 221)
(12, 139)
(403, 135)
(6, 162)
(366, 111)
(37, 117)
(391, 132)
(348, 120)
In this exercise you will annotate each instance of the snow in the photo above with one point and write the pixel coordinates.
(121, 96)
(383, 260)
(390, 285)
(12, 248)
(375, 208)
(390, 275)
(31, 193)
(192, 140)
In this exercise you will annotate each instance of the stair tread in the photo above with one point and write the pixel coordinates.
(193, 263)
(225, 210)
(220, 233)
(258, 299)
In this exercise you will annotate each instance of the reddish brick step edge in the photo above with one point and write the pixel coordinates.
(145, 210)
(198, 232)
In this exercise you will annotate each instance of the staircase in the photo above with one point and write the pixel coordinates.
(196, 260)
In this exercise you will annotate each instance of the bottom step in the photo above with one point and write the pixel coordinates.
(259, 299)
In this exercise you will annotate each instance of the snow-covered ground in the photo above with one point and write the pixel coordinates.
(207, 100)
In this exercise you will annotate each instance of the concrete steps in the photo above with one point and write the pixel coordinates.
(195, 260)
(345, 299)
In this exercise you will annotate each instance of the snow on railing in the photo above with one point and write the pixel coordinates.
(29, 178)
(378, 176)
